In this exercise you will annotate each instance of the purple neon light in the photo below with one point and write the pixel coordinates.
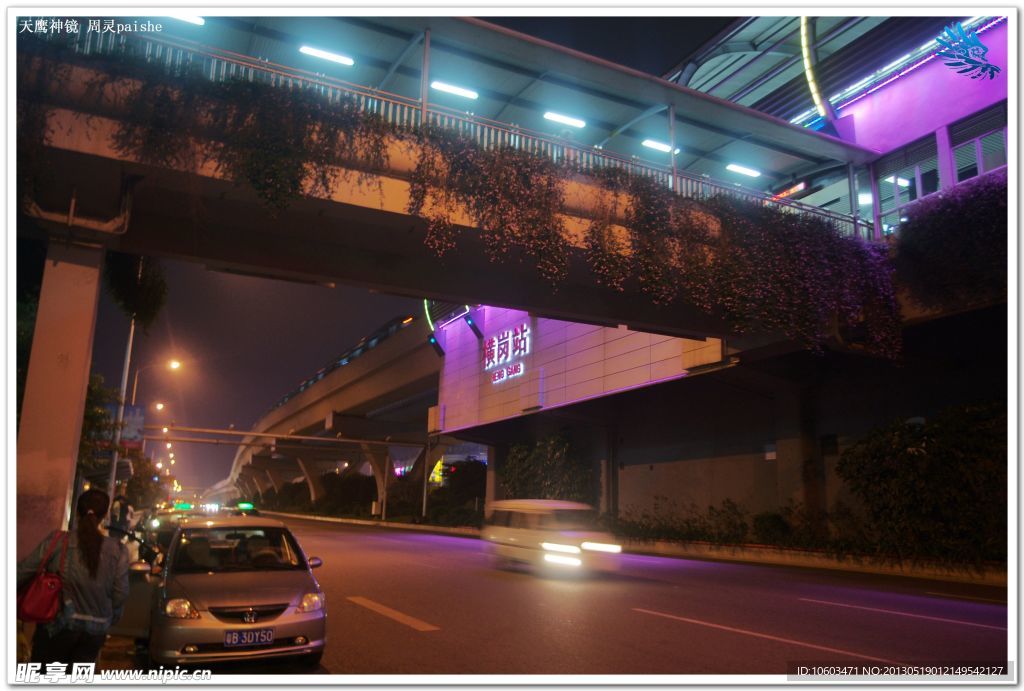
(910, 69)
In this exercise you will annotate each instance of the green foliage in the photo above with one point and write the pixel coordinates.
(348, 494)
(98, 425)
(513, 197)
(936, 490)
(722, 524)
(460, 501)
(756, 267)
(292, 497)
(951, 252)
(141, 490)
(139, 295)
(548, 469)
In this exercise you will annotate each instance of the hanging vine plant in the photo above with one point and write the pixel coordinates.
(755, 266)
(514, 198)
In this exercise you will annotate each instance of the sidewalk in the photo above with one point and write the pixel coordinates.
(753, 554)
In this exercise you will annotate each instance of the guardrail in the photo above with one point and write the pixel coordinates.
(222, 65)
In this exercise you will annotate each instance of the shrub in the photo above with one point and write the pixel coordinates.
(936, 490)
(770, 528)
(952, 249)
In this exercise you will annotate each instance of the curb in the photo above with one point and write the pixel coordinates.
(440, 529)
(749, 554)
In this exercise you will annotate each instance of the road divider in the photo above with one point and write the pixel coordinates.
(411, 622)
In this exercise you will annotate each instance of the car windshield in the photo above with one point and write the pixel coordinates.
(201, 550)
(569, 519)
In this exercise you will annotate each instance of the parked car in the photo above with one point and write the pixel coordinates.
(550, 535)
(235, 588)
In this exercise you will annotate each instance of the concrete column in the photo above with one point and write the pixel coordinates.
(260, 480)
(55, 387)
(311, 471)
(946, 161)
(493, 490)
(799, 463)
(378, 458)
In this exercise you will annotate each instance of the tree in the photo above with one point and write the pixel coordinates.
(142, 490)
(140, 295)
(98, 424)
(548, 469)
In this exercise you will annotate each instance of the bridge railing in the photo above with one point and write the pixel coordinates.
(222, 65)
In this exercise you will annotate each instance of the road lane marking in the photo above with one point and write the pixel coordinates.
(966, 597)
(769, 637)
(411, 622)
(905, 614)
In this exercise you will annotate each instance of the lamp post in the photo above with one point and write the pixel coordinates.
(172, 365)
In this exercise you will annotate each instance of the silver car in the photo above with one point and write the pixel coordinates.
(236, 588)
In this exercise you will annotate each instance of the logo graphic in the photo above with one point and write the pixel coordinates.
(965, 53)
(250, 617)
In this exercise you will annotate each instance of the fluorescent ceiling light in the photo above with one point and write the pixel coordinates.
(902, 182)
(457, 90)
(198, 21)
(564, 119)
(659, 146)
(864, 199)
(333, 57)
(743, 170)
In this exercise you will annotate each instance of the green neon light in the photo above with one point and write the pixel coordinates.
(245, 506)
(426, 311)
(182, 506)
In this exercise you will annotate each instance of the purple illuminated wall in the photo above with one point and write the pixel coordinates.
(925, 99)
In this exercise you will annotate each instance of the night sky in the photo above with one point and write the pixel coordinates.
(244, 342)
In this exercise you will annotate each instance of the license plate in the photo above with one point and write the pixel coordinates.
(234, 639)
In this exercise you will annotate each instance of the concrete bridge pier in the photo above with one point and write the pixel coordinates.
(55, 387)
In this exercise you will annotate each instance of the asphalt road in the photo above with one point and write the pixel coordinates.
(410, 603)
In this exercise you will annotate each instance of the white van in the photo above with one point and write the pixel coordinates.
(550, 534)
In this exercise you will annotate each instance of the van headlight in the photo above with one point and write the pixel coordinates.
(180, 608)
(311, 602)
(555, 547)
(602, 547)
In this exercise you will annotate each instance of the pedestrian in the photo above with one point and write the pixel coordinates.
(95, 576)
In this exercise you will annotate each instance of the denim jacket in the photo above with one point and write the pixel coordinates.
(90, 604)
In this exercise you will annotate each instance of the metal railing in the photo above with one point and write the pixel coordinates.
(221, 65)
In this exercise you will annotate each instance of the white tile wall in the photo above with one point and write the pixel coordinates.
(567, 362)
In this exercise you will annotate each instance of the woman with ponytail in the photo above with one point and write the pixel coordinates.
(95, 586)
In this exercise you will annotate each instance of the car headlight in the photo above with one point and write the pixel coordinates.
(555, 547)
(311, 602)
(180, 608)
(602, 547)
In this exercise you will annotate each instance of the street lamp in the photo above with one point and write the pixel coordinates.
(159, 406)
(172, 365)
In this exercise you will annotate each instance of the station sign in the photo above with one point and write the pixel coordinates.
(503, 353)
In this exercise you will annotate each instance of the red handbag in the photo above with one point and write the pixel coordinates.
(41, 600)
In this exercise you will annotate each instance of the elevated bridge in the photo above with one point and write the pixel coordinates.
(98, 194)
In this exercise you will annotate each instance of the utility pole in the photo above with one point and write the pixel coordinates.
(120, 405)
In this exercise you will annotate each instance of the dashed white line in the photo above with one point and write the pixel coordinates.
(411, 622)
(757, 634)
(904, 614)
